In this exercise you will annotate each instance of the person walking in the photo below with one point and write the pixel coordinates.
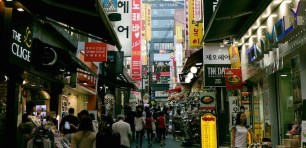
(124, 129)
(85, 137)
(140, 125)
(240, 131)
(149, 127)
(161, 128)
(69, 124)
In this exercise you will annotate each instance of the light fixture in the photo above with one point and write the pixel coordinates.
(198, 64)
(67, 75)
(187, 80)
(283, 75)
(194, 70)
(20, 9)
(190, 75)
(277, 1)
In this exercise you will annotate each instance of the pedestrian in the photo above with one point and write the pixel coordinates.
(240, 131)
(130, 115)
(149, 126)
(69, 124)
(124, 129)
(106, 137)
(161, 128)
(140, 125)
(85, 137)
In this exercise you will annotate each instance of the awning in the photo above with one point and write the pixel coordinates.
(86, 17)
(65, 59)
(176, 89)
(233, 18)
(196, 57)
(117, 83)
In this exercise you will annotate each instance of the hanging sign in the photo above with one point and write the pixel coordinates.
(233, 79)
(95, 52)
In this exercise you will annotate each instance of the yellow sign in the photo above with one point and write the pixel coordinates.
(179, 33)
(195, 28)
(208, 131)
(234, 56)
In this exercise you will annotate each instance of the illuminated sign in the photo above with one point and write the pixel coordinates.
(208, 131)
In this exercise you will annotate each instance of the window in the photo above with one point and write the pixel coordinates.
(161, 94)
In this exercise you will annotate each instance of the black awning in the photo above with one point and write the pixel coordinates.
(232, 19)
(196, 57)
(86, 17)
(63, 59)
(116, 83)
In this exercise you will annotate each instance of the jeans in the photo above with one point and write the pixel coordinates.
(150, 135)
(139, 137)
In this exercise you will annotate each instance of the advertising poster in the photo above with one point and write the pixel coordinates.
(208, 100)
(233, 79)
(208, 131)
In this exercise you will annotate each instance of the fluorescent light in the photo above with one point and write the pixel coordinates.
(198, 64)
(283, 75)
(20, 9)
(277, 1)
(287, 1)
(273, 15)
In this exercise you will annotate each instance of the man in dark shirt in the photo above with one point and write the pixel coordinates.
(69, 124)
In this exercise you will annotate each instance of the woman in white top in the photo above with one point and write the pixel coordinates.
(240, 132)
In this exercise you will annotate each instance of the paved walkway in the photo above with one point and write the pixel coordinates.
(169, 143)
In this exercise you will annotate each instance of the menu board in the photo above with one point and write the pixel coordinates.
(208, 131)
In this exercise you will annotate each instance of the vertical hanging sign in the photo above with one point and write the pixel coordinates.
(197, 12)
(136, 38)
(123, 27)
(195, 27)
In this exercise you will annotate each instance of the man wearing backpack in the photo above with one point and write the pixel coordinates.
(124, 129)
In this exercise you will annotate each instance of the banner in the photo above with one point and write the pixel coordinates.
(195, 27)
(233, 79)
(234, 56)
(123, 28)
(136, 40)
(95, 52)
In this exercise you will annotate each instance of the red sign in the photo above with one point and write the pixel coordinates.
(233, 79)
(95, 52)
(136, 39)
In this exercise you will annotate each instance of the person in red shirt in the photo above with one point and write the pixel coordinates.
(161, 128)
(149, 121)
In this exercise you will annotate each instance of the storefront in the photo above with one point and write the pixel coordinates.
(274, 65)
(38, 61)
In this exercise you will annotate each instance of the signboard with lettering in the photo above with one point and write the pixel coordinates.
(234, 108)
(195, 27)
(216, 60)
(208, 131)
(21, 43)
(215, 75)
(95, 52)
(136, 38)
(123, 28)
